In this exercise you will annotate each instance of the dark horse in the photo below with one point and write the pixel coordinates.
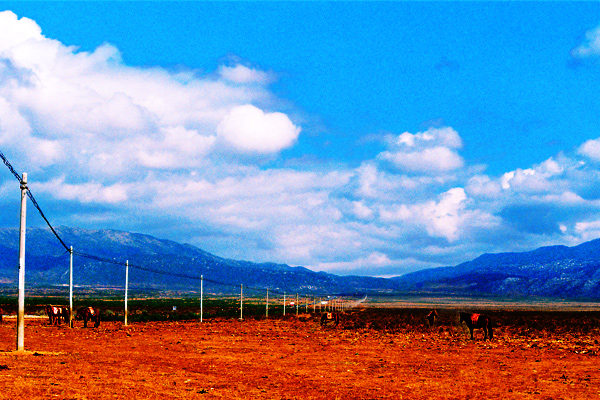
(476, 321)
(330, 317)
(89, 314)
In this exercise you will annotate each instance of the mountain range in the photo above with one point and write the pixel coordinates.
(550, 272)
(157, 264)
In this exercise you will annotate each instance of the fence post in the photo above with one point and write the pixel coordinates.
(267, 302)
(126, 286)
(241, 302)
(71, 287)
(201, 294)
(284, 304)
(22, 228)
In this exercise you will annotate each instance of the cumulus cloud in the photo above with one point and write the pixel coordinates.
(101, 110)
(136, 146)
(248, 128)
(243, 74)
(591, 149)
(590, 46)
(431, 151)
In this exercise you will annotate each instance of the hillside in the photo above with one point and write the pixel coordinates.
(555, 271)
(47, 264)
(552, 272)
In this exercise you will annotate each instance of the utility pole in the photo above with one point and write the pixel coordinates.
(241, 302)
(126, 286)
(201, 294)
(71, 287)
(21, 305)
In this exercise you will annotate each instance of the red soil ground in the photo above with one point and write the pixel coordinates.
(373, 354)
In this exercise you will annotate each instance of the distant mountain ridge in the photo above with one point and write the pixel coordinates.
(47, 264)
(552, 272)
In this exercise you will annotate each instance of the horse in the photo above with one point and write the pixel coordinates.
(431, 317)
(330, 317)
(54, 314)
(476, 321)
(66, 314)
(89, 314)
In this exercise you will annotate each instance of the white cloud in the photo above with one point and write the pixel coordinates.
(15, 31)
(242, 74)
(591, 149)
(361, 210)
(443, 218)
(248, 128)
(138, 143)
(114, 119)
(590, 46)
(437, 159)
(85, 193)
(431, 151)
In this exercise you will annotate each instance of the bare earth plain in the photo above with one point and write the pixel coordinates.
(375, 353)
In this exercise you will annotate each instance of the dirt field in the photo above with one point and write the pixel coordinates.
(373, 354)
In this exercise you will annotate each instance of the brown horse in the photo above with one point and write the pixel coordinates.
(66, 314)
(431, 317)
(55, 313)
(476, 321)
(89, 314)
(330, 317)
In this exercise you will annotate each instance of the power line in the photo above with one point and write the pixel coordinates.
(113, 261)
(30, 195)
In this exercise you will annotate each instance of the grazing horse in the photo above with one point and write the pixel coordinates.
(475, 321)
(66, 314)
(54, 314)
(89, 314)
(431, 317)
(330, 317)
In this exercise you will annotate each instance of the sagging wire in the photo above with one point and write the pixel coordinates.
(106, 260)
(30, 195)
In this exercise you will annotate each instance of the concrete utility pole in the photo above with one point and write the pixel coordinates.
(267, 303)
(284, 304)
(21, 309)
(126, 286)
(201, 294)
(241, 302)
(71, 287)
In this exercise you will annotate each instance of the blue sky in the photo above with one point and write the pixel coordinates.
(356, 138)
